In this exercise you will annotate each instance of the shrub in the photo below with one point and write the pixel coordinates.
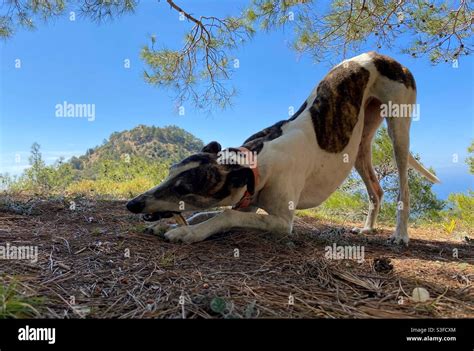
(461, 209)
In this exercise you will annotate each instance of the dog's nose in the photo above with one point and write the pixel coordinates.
(135, 206)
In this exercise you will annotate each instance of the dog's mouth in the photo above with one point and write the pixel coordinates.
(156, 216)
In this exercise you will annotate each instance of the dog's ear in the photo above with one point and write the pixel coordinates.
(243, 176)
(213, 147)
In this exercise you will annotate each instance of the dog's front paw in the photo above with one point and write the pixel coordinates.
(399, 239)
(159, 229)
(184, 234)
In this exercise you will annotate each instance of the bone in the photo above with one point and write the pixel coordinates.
(180, 220)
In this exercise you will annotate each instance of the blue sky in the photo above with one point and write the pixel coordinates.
(82, 62)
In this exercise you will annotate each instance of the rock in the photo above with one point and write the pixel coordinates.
(420, 295)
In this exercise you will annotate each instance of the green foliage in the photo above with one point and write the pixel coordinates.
(470, 159)
(341, 204)
(107, 178)
(42, 179)
(121, 179)
(207, 56)
(438, 30)
(21, 14)
(6, 181)
(423, 202)
(15, 305)
(219, 305)
(461, 209)
(129, 169)
(24, 14)
(382, 155)
(250, 310)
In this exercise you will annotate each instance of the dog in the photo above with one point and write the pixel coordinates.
(300, 161)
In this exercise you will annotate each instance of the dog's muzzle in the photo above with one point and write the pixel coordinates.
(138, 206)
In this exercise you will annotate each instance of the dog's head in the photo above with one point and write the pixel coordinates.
(199, 182)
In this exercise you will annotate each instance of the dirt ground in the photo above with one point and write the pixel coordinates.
(96, 262)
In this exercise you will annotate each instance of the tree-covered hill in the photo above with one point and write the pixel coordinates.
(167, 144)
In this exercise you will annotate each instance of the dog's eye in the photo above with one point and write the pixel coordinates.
(181, 189)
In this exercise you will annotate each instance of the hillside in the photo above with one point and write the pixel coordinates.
(169, 143)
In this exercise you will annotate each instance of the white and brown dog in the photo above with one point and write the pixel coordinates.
(301, 161)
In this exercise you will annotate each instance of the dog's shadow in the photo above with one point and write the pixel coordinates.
(421, 249)
(376, 243)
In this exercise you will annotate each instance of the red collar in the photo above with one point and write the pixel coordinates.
(246, 199)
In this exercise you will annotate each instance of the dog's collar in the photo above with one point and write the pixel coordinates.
(246, 199)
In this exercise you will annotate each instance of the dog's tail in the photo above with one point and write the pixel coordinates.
(417, 166)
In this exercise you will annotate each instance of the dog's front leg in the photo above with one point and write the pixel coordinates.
(160, 228)
(230, 219)
(202, 216)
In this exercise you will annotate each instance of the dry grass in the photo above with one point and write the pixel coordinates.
(83, 270)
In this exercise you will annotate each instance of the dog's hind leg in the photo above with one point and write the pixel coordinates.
(363, 165)
(399, 132)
